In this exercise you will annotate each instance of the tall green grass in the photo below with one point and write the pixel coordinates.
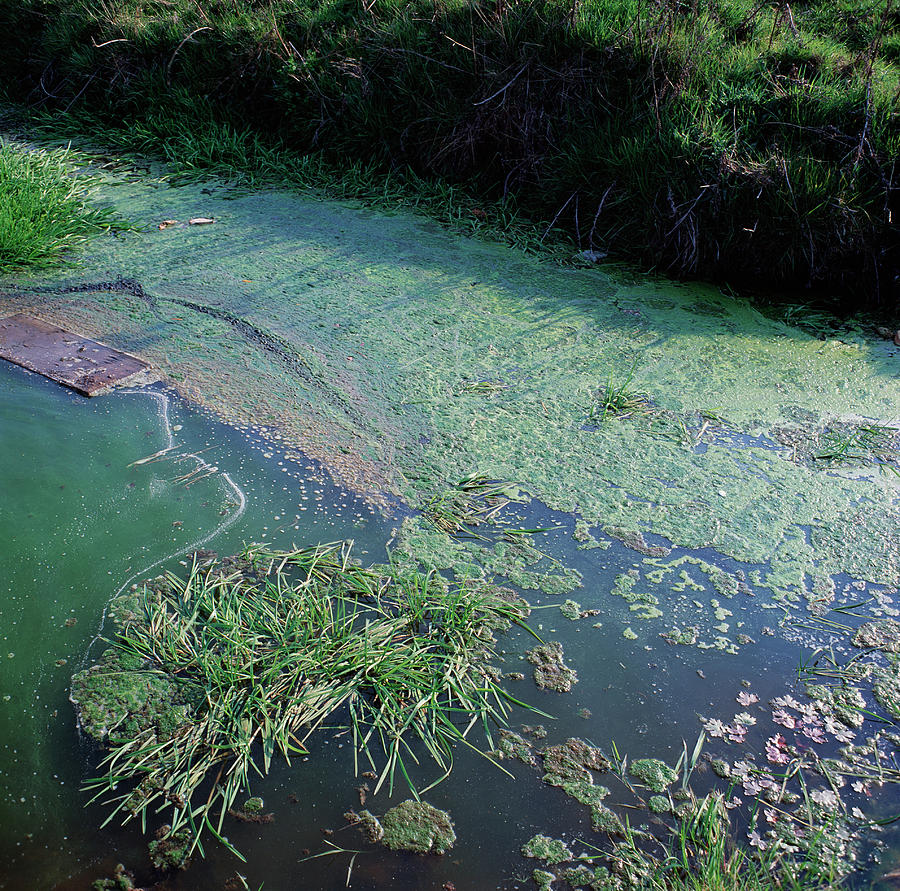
(718, 138)
(700, 854)
(43, 208)
(266, 650)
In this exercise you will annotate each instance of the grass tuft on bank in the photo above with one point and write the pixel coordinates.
(717, 138)
(44, 212)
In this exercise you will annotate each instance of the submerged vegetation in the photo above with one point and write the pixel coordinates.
(213, 675)
(721, 138)
(43, 208)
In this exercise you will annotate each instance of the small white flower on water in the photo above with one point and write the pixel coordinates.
(856, 812)
(745, 698)
(771, 815)
(861, 787)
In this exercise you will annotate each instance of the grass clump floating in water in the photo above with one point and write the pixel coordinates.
(43, 208)
(260, 650)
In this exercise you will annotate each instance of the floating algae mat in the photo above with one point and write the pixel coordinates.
(694, 498)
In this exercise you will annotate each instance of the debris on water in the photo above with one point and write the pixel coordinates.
(572, 760)
(881, 634)
(251, 815)
(538, 731)
(570, 766)
(656, 775)
(637, 542)
(167, 224)
(550, 850)
(419, 827)
(200, 221)
(550, 672)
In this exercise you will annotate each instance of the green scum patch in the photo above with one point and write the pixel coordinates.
(348, 330)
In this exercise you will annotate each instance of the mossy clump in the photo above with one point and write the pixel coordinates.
(571, 609)
(119, 698)
(419, 827)
(367, 823)
(512, 745)
(605, 820)
(171, 850)
(598, 879)
(550, 850)
(572, 762)
(656, 775)
(881, 634)
(121, 880)
(550, 672)
(659, 804)
(886, 688)
(543, 879)
(254, 805)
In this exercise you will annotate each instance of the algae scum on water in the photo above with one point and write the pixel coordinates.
(680, 486)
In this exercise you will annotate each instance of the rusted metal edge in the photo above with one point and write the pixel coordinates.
(77, 362)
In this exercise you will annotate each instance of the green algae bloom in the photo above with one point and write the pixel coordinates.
(550, 850)
(550, 672)
(656, 775)
(417, 826)
(512, 745)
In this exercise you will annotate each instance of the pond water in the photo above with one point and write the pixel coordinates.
(706, 541)
(81, 520)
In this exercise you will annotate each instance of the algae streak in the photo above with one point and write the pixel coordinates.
(359, 335)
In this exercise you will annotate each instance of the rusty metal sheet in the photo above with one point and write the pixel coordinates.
(69, 359)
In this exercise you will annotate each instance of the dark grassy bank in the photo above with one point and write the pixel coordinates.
(730, 139)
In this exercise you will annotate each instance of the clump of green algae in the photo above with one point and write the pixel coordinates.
(550, 850)
(656, 775)
(550, 672)
(419, 827)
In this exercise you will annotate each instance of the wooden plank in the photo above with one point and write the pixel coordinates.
(77, 362)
